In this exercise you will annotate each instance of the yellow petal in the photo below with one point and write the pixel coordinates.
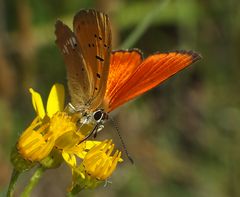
(37, 103)
(69, 158)
(81, 155)
(90, 144)
(56, 99)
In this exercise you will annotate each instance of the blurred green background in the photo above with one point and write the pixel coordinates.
(184, 135)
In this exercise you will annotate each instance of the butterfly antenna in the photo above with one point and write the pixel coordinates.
(121, 139)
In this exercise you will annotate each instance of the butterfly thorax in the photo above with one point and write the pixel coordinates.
(87, 120)
(92, 123)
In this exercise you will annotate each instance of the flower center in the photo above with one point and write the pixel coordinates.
(63, 128)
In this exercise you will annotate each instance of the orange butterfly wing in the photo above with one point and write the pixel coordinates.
(122, 66)
(148, 74)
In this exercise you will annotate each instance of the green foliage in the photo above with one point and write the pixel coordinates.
(184, 135)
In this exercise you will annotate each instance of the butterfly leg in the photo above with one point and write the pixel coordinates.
(98, 129)
(70, 108)
(107, 182)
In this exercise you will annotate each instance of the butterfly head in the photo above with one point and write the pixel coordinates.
(100, 116)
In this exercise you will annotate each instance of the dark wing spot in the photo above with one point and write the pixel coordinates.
(89, 45)
(95, 35)
(99, 58)
(98, 75)
(82, 69)
(100, 38)
(96, 89)
(105, 45)
(93, 45)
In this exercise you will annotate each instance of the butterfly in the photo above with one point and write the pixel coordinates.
(99, 79)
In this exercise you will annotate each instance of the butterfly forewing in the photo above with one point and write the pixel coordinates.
(93, 33)
(78, 81)
(122, 65)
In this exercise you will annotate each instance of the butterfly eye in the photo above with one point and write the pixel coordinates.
(98, 115)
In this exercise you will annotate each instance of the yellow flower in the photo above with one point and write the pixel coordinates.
(99, 163)
(97, 166)
(32, 145)
(51, 128)
(54, 135)
(37, 140)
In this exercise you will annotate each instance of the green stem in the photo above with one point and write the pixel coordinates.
(13, 181)
(141, 28)
(33, 181)
(70, 194)
(75, 190)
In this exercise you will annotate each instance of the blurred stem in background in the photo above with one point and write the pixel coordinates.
(142, 27)
(187, 17)
(26, 43)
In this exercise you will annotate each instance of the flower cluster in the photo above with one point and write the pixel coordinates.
(54, 137)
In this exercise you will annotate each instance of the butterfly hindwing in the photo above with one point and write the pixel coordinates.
(78, 81)
(93, 33)
(148, 74)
